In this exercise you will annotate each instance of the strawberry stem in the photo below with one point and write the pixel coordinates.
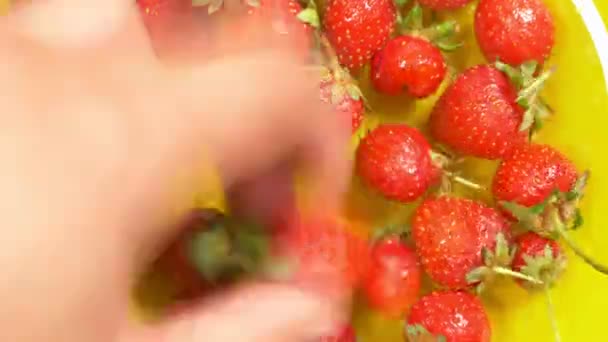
(510, 273)
(551, 314)
(579, 252)
(463, 181)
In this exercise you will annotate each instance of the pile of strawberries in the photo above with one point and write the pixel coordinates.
(488, 111)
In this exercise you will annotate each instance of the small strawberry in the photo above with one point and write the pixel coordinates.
(344, 95)
(395, 159)
(176, 263)
(514, 31)
(541, 188)
(358, 28)
(443, 4)
(408, 63)
(539, 258)
(451, 316)
(345, 334)
(460, 242)
(487, 113)
(392, 283)
(323, 246)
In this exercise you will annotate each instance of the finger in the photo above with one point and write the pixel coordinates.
(265, 313)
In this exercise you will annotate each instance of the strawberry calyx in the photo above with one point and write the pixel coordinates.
(444, 163)
(418, 333)
(402, 231)
(439, 34)
(529, 86)
(232, 248)
(497, 262)
(555, 217)
(546, 267)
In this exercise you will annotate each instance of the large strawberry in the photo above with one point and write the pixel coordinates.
(443, 4)
(514, 31)
(460, 242)
(392, 283)
(358, 28)
(490, 110)
(395, 159)
(541, 188)
(451, 316)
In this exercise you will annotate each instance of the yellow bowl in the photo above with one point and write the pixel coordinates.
(579, 93)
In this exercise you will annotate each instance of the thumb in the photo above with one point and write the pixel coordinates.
(265, 313)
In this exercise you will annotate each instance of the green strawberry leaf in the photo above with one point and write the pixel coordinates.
(210, 253)
(310, 16)
(449, 46)
(413, 20)
(417, 332)
(578, 220)
(401, 230)
(401, 3)
(353, 91)
(578, 189)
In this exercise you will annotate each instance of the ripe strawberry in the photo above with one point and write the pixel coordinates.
(531, 174)
(176, 263)
(345, 96)
(393, 281)
(539, 258)
(455, 237)
(478, 114)
(408, 63)
(395, 159)
(454, 316)
(358, 28)
(324, 248)
(514, 31)
(443, 4)
(345, 334)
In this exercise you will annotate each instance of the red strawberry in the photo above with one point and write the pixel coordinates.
(325, 248)
(395, 159)
(531, 174)
(393, 281)
(408, 63)
(514, 31)
(455, 316)
(358, 28)
(443, 4)
(478, 114)
(539, 258)
(176, 261)
(451, 234)
(345, 97)
(345, 334)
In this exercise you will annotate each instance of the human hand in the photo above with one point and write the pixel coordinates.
(95, 133)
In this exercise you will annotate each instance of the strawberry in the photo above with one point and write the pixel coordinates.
(459, 241)
(451, 316)
(345, 334)
(443, 4)
(325, 248)
(395, 159)
(541, 188)
(530, 175)
(393, 281)
(358, 28)
(514, 31)
(344, 95)
(478, 114)
(538, 257)
(176, 261)
(411, 63)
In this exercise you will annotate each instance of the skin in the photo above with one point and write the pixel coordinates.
(96, 131)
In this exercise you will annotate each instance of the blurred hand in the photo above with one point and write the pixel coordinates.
(95, 133)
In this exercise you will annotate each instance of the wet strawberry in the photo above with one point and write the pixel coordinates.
(478, 115)
(395, 159)
(358, 28)
(455, 236)
(451, 316)
(392, 283)
(538, 257)
(408, 64)
(514, 31)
